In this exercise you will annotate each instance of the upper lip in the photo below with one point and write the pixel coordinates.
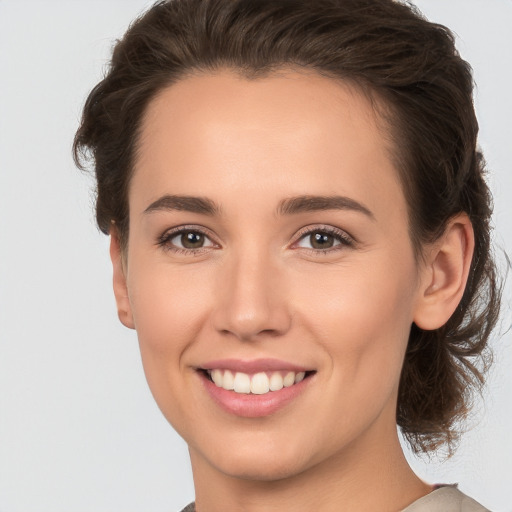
(253, 366)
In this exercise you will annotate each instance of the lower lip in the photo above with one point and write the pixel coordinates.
(253, 406)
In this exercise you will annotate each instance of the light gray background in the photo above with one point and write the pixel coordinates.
(78, 428)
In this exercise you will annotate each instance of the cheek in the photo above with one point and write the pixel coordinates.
(169, 306)
(361, 316)
(361, 322)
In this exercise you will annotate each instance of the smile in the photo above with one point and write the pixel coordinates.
(259, 383)
(254, 388)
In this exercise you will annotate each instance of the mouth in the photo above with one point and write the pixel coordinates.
(254, 388)
(260, 383)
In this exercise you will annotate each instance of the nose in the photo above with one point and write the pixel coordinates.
(252, 300)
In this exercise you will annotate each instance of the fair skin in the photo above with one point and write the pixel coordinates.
(327, 287)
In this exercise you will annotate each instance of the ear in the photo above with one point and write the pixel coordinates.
(124, 310)
(445, 274)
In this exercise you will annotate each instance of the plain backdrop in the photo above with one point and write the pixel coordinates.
(79, 430)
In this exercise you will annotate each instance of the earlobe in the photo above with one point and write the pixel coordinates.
(124, 310)
(445, 274)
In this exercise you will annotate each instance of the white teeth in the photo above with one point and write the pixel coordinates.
(228, 381)
(276, 382)
(217, 377)
(300, 376)
(289, 379)
(242, 383)
(259, 384)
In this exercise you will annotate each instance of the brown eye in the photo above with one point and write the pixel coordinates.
(319, 240)
(192, 240)
(186, 240)
(325, 239)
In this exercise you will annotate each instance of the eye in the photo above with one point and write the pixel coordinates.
(189, 240)
(185, 240)
(324, 239)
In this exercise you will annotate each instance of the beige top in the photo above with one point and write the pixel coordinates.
(444, 499)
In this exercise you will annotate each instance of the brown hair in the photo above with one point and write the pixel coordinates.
(387, 48)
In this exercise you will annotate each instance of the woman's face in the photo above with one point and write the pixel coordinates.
(269, 237)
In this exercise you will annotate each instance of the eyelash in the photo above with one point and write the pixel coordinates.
(340, 236)
(344, 239)
(164, 240)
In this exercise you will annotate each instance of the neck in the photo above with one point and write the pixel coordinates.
(377, 478)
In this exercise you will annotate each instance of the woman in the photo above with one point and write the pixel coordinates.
(300, 236)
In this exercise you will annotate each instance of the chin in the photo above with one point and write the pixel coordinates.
(265, 461)
(261, 469)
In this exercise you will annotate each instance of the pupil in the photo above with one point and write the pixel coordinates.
(321, 240)
(192, 240)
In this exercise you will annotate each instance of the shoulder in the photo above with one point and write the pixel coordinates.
(191, 507)
(446, 499)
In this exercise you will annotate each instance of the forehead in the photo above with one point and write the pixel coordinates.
(287, 133)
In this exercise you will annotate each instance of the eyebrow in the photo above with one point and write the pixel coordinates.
(302, 204)
(289, 206)
(192, 204)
